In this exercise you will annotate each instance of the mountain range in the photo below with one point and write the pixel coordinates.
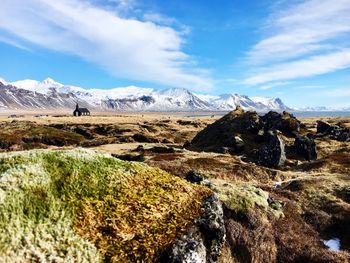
(49, 94)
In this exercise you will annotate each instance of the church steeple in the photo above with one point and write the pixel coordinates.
(77, 106)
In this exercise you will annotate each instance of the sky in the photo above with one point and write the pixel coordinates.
(297, 50)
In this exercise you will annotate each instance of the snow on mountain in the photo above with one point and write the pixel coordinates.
(134, 98)
(271, 103)
(12, 97)
(231, 101)
(175, 99)
(3, 81)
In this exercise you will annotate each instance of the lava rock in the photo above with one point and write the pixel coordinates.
(305, 147)
(194, 177)
(129, 157)
(226, 132)
(273, 153)
(340, 134)
(212, 226)
(203, 243)
(323, 127)
(162, 149)
(138, 137)
(334, 132)
(285, 122)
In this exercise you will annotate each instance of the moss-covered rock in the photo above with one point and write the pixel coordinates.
(243, 198)
(86, 206)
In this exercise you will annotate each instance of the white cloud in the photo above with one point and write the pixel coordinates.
(306, 32)
(312, 66)
(127, 48)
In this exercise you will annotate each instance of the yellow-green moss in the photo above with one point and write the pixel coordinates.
(242, 198)
(83, 205)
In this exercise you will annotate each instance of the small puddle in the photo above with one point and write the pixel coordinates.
(333, 244)
(277, 184)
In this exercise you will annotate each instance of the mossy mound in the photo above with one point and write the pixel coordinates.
(244, 198)
(80, 205)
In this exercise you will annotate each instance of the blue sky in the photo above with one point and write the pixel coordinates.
(296, 50)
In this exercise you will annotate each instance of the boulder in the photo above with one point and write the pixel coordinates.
(340, 134)
(227, 133)
(323, 127)
(285, 122)
(305, 147)
(194, 177)
(273, 153)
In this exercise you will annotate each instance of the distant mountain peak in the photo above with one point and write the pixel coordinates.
(50, 81)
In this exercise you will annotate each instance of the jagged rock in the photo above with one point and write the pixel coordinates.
(227, 132)
(285, 122)
(203, 243)
(305, 147)
(273, 153)
(211, 224)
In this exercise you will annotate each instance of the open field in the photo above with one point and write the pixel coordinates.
(269, 212)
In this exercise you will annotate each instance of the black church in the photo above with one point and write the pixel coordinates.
(81, 111)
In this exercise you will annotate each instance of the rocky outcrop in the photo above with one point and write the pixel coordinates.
(335, 132)
(305, 147)
(204, 241)
(224, 134)
(273, 153)
(246, 133)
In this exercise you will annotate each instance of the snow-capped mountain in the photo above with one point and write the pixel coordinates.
(231, 101)
(12, 97)
(271, 103)
(49, 94)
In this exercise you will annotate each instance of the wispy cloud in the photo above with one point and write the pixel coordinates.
(273, 85)
(126, 47)
(307, 32)
(342, 92)
(311, 66)
(12, 42)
